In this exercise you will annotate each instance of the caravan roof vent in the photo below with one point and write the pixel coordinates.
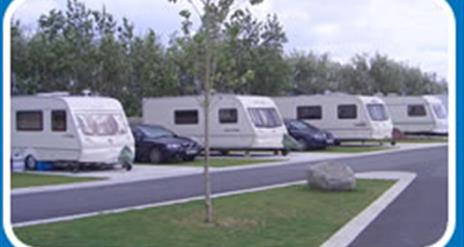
(53, 94)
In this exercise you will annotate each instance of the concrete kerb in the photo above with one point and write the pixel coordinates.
(341, 238)
(198, 170)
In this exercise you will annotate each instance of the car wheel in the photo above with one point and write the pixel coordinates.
(30, 163)
(155, 156)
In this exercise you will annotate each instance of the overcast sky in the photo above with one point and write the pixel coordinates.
(411, 31)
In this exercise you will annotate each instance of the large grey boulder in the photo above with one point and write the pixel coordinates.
(331, 176)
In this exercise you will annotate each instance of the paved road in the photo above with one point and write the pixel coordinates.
(416, 218)
(419, 216)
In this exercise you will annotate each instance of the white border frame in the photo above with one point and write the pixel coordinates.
(451, 139)
(451, 226)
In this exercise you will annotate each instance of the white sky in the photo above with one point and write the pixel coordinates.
(411, 31)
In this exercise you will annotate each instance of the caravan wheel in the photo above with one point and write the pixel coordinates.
(127, 166)
(30, 162)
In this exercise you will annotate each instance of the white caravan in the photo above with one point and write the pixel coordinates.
(444, 100)
(418, 114)
(347, 117)
(70, 131)
(236, 122)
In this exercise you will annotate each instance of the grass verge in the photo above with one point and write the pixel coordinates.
(423, 140)
(23, 180)
(291, 217)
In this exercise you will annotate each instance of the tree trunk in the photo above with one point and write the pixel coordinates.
(207, 90)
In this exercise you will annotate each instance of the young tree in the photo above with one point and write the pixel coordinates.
(213, 15)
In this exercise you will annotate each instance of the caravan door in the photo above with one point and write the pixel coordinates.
(62, 135)
(351, 123)
(230, 129)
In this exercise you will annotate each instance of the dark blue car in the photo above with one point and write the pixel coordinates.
(156, 144)
(308, 136)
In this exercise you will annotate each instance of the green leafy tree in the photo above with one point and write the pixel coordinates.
(79, 48)
(213, 15)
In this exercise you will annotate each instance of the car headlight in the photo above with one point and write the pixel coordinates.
(173, 146)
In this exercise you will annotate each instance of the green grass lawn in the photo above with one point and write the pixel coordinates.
(423, 140)
(354, 149)
(223, 162)
(287, 217)
(22, 180)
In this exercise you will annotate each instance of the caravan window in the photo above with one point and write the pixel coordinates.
(186, 117)
(228, 116)
(347, 112)
(29, 120)
(440, 111)
(309, 112)
(101, 124)
(416, 111)
(265, 117)
(59, 121)
(377, 112)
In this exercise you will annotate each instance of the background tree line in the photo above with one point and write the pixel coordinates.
(81, 48)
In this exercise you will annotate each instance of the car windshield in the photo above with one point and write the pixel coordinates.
(440, 111)
(300, 125)
(156, 131)
(101, 124)
(265, 117)
(377, 112)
